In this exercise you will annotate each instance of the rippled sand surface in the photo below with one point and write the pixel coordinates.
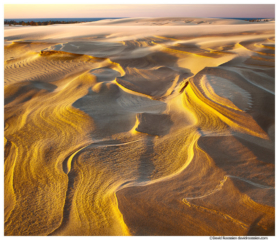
(140, 127)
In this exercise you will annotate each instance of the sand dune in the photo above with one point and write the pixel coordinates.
(140, 127)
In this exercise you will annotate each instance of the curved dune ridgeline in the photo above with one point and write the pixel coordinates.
(140, 127)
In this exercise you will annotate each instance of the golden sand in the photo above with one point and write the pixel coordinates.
(140, 127)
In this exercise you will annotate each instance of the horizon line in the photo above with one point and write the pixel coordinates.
(135, 17)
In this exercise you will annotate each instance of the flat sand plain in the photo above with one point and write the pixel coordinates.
(143, 126)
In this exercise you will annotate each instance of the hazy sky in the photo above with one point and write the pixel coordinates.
(138, 10)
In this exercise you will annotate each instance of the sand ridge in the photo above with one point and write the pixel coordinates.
(140, 127)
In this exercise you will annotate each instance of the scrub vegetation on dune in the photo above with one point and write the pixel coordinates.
(140, 127)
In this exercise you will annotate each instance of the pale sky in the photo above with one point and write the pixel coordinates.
(138, 10)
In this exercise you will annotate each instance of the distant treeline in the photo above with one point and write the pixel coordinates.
(257, 20)
(32, 23)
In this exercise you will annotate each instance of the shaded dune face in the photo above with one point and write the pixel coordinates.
(134, 133)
